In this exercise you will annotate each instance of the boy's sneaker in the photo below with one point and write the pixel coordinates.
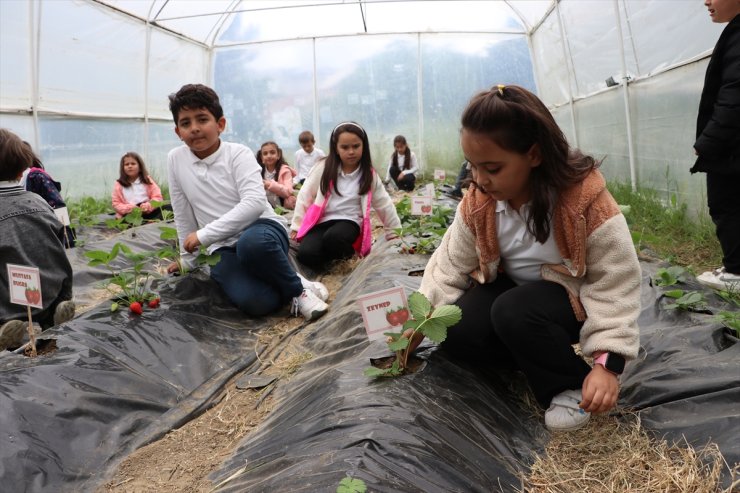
(309, 305)
(564, 413)
(11, 334)
(316, 287)
(720, 279)
(64, 312)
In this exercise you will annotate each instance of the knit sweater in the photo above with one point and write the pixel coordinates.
(600, 270)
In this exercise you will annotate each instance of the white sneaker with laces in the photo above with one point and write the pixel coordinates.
(309, 305)
(564, 413)
(316, 287)
(719, 279)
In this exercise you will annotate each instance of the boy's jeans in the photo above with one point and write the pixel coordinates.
(256, 274)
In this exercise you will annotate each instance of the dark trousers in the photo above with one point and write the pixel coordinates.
(256, 274)
(327, 242)
(406, 183)
(724, 209)
(530, 328)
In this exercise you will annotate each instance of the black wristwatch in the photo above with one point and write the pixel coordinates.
(611, 361)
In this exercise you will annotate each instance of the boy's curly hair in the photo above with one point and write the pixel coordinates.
(195, 96)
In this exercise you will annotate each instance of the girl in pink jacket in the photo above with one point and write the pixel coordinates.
(277, 176)
(135, 188)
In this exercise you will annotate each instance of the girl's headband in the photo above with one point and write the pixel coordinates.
(348, 123)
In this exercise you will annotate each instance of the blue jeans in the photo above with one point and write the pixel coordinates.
(257, 275)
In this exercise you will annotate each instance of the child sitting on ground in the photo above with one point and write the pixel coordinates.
(344, 186)
(30, 235)
(277, 176)
(402, 166)
(218, 198)
(538, 257)
(306, 156)
(135, 188)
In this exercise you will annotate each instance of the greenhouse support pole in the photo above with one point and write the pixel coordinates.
(420, 102)
(625, 93)
(34, 22)
(147, 56)
(567, 58)
(316, 124)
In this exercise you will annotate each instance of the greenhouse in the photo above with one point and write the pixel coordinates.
(161, 381)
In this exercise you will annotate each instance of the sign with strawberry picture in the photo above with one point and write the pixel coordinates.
(383, 311)
(439, 175)
(421, 206)
(63, 215)
(24, 285)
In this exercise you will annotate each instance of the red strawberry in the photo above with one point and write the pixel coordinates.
(153, 303)
(33, 296)
(135, 307)
(402, 315)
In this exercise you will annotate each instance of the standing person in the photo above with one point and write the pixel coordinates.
(219, 202)
(306, 156)
(277, 176)
(37, 180)
(538, 257)
(135, 188)
(718, 143)
(30, 235)
(343, 186)
(402, 166)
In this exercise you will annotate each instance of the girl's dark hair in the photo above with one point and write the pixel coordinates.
(280, 160)
(400, 139)
(515, 119)
(332, 162)
(15, 155)
(194, 97)
(36, 160)
(143, 174)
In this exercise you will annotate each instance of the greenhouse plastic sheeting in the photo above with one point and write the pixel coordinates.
(118, 382)
(451, 427)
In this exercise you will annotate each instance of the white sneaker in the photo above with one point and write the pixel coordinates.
(309, 305)
(316, 287)
(564, 413)
(720, 279)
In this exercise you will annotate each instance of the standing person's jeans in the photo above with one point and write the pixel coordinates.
(256, 274)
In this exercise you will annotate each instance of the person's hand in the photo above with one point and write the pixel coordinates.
(191, 242)
(600, 390)
(146, 207)
(415, 339)
(401, 175)
(173, 268)
(293, 235)
(266, 184)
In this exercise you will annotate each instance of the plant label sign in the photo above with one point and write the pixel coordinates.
(24, 285)
(383, 311)
(439, 175)
(63, 215)
(421, 206)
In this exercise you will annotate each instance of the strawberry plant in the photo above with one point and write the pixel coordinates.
(731, 320)
(425, 320)
(670, 276)
(688, 301)
(133, 282)
(351, 485)
(172, 252)
(421, 234)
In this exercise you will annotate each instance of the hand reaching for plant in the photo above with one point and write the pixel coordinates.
(191, 242)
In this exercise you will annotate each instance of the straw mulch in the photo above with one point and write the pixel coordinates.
(613, 455)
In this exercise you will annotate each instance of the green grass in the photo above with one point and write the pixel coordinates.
(670, 232)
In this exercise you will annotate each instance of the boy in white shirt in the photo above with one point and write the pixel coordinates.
(219, 202)
(306, 156)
